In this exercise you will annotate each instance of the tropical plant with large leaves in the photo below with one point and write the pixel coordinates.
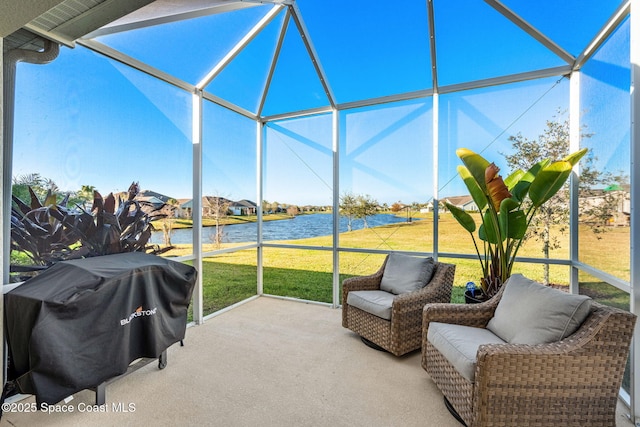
(48, 231)
(122, 226)
(506, 207)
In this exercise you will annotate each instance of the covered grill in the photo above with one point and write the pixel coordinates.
(83, 322)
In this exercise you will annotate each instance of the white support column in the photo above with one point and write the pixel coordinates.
(336, 208)
(635, 202)
(5, 178)
(8, 62)
(260, 137)
(196, 211)
(435, 162)
(5, 185)
(574, 145)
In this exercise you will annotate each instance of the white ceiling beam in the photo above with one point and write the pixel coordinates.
(69, 31)
(304, 33)
(134, 24)
(138, 65)
(229, 105)
(477, 84)
(55, 37)
(266, 19)
(98, 16)
(512, 78)
(386, 99)
(274, 61)
(161, 75)
(532, 31)
(618, 16)
(300, 113)
(432, 44)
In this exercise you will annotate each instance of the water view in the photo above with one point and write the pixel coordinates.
(300, 227)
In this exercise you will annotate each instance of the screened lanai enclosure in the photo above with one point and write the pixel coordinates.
(261, 122)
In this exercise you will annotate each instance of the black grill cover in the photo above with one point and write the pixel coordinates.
(82, 322)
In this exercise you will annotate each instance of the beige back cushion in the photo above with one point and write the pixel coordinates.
(404, 273)
(530, 313)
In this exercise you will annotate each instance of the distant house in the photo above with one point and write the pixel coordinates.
(210, 203)
(618, 200)
(463, 202)
(243, 207)
(185, 208)
(428, 207)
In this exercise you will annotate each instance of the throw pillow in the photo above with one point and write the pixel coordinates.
(530, 313)
(404, 273)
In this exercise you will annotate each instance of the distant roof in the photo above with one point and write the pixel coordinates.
(459, 200)
(150, 199)
(245, 203)
(149, 193)
(215, 199)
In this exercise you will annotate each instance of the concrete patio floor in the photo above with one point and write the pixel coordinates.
(268, 362)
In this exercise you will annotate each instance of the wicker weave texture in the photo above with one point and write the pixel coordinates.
(453, 386)
(403, 333)
(574, 382)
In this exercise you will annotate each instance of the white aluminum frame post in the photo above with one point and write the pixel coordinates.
(196, 208)
(5, 184)
(574, 183)
(5, 224)
(335, 121)
(635, 201)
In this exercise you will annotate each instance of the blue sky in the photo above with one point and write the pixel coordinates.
(86, 120)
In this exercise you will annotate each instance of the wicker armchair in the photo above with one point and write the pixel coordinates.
(403, 333)
(573, 382)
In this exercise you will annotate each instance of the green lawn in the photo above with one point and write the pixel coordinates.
(307, 274)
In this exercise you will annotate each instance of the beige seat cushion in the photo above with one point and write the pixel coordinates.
(377, 303)
(530, 313)
(459, 345)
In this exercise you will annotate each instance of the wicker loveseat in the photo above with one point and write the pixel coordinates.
(401, 333)
(572, 382)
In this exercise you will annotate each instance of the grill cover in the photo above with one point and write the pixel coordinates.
(82, 322)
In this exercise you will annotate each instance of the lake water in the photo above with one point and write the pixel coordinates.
(300, 227)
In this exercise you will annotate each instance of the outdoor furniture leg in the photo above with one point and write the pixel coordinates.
(101, 391)
(162, 360)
